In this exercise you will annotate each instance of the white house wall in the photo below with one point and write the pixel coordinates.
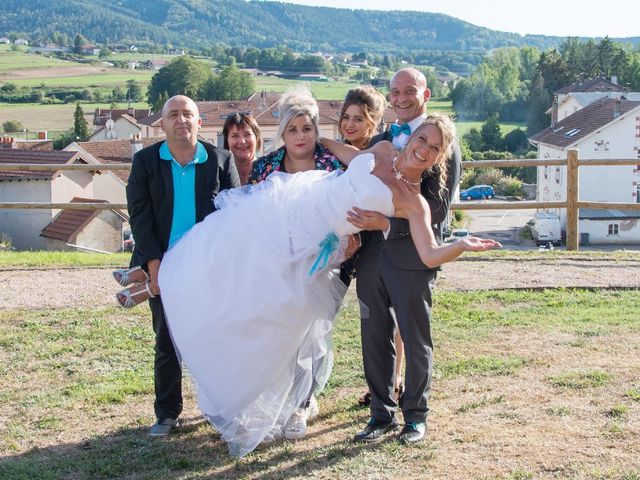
(122, 128)
(110, 188)
(23, 226)
(71, 184)
(104, 232)
(598, 231)
(568, 107)
(613, 183)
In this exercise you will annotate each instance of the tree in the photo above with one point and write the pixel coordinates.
(473, 140)
(491, 135)
(231, 84)
(538, 102)
(78, 43)
(134, 91)
(80, 125)
(184, 76)
(118, 95)
(516, 141)
(11, 126)
(104, 53)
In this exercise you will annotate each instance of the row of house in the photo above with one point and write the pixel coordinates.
(119, 134)
(599, 117)
(263, 106)
(602, 120)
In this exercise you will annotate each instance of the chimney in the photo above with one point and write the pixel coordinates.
(7, 143)
(614, 79)
(136, 144)
(616, 108)
(554, 111)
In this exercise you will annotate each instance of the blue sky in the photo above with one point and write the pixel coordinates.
(588, 18)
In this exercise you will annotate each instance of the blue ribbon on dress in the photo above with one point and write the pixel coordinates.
(327, 247)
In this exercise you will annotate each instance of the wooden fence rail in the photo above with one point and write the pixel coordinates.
(572, 203)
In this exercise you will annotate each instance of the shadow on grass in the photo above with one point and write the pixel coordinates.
(194, 450)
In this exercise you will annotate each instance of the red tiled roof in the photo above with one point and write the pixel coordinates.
(17, 156)
(264, 108)
(151, 120)
(68, 223)
(101, 115)
(597, 84)
(584, 122)
(116, 151)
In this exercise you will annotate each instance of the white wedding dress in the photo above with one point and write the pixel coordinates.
(250, 294)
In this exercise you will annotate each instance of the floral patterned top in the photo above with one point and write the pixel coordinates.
(274, 162)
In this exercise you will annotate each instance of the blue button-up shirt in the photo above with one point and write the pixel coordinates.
(184, 188)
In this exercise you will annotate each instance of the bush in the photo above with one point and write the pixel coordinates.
(5, 242)
(11, 126)
(488, 176)
(508, 186)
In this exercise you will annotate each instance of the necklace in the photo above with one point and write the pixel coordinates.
(401, 177)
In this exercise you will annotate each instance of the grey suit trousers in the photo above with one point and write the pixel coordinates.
(383, 290)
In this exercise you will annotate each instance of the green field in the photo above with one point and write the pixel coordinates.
(12, 60)
(53, 118)
(505, 127)
(527, 385)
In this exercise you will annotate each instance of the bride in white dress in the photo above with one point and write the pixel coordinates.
(250, 293)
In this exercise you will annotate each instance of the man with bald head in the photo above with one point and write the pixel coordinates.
(171, 187)
(394, 286)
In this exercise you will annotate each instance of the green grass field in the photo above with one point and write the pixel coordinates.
(505, 127)
(525, 383)
(12, 60)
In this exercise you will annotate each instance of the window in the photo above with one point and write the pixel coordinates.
(558, 175)
(613, 229)
(546, 171)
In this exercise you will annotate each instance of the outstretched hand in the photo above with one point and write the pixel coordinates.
(477, 244)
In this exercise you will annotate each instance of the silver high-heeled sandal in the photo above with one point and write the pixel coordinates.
(128, 301)
(123, 275)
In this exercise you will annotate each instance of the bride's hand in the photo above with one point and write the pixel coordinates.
(477, 244)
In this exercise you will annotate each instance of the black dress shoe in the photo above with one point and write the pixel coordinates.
(412, 432)
(375, 430)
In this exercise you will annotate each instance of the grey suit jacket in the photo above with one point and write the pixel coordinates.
(399, 245)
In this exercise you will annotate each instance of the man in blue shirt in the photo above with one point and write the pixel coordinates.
(171, 187)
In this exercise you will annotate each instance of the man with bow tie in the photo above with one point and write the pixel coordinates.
(394, 286)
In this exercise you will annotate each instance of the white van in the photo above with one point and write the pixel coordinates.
(545, 228)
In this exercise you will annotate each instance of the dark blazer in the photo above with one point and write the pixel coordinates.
(150, 196)
(399, 245)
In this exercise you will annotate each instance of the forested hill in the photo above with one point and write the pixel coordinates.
(261, 24)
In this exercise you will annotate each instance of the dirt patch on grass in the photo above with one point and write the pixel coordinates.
(51, 72)
(78, 287)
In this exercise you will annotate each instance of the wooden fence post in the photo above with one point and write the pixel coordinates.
(573, 232)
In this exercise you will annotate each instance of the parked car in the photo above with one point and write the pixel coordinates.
(545, 228)
(458, 234)
(478, 192)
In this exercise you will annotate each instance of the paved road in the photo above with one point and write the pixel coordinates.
(502, 225)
